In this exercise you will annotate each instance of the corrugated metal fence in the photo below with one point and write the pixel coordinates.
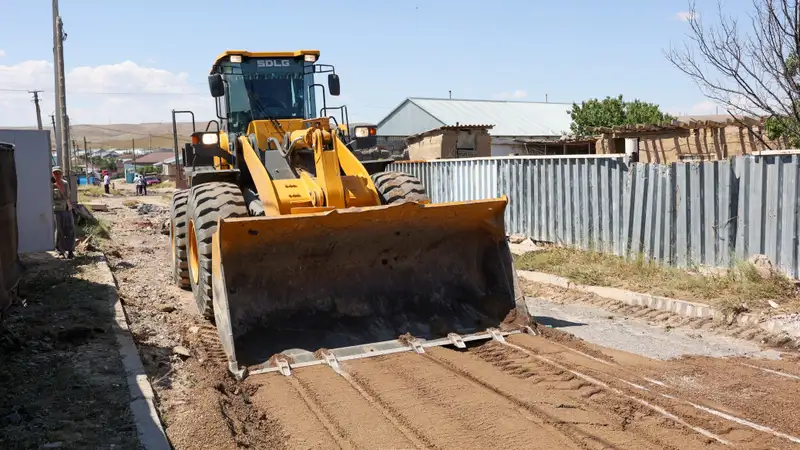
(684, 214)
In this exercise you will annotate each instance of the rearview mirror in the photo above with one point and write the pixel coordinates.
(216, 85)
(333, 84)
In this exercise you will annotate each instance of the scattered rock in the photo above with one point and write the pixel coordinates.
(12, 419)
(166, 308)
(762, 264)
(194, 330)
(147, 209)
(58, 444)
(165, 227)
(773, 304)
(98, 206)
(516, 238)
(181, 351)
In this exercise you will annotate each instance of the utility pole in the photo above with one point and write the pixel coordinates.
(57, 121)
(151, 142)
(86, 153)
(55, 136)
(63, 119)
(38, 110)
(133, 149)
(75, 148)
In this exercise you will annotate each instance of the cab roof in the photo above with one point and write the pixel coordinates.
(226, 54)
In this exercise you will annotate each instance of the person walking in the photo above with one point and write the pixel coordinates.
(62, 208)
(137, 181)
(106, 182)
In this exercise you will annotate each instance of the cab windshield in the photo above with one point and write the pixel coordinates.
(264, 89)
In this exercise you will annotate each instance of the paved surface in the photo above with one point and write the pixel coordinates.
(638, 336)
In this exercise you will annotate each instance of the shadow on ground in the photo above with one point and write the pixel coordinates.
(61, 378)
(552, 322)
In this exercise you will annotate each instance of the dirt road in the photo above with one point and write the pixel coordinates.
(545, 391)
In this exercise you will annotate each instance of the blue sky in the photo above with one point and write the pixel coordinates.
(383, 51)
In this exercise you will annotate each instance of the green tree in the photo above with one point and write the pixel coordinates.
(146, 169)
(613, 111)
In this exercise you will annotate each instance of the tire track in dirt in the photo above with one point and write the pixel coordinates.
(572, 403)
(698, 378)
(452, 412)
(700, 411)
(279, 398)
(351, 413)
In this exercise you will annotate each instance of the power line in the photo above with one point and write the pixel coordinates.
(166, 135)
(112, 93)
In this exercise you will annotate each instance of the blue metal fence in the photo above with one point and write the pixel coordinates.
(684, 214)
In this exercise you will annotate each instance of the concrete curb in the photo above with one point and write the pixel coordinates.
(145, 416)
(680, 307)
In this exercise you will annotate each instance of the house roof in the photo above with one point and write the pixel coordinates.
(152, 158)
(510, 118)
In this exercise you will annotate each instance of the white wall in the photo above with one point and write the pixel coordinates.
(504, 149)
(34, 198)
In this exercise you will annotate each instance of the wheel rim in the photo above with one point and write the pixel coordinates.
(194, 258)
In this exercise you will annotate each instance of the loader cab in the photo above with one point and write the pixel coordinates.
(267, 86)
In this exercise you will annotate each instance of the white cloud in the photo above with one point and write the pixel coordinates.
(2, 53)
(685, 15)
(117, 93)
(516, 95)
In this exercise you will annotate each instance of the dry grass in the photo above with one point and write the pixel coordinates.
(97, 228)
(86, 193)
(166, 185)
(740, 289)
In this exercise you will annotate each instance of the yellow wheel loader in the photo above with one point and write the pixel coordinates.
(301, 254)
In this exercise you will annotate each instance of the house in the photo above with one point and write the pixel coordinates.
(457, 141)
(168, 168)
(151, 159)
(514, 122)
(688, 138)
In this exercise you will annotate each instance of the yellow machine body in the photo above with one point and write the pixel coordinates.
(335, 264)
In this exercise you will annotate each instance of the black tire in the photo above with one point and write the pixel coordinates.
(207, 203)
(177, 234)
(398, 187)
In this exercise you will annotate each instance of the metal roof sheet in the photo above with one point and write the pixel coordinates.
(510, 118)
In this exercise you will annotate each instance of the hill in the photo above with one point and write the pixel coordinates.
(144, 135)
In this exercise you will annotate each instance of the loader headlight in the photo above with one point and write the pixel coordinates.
(362, 132)
(210, 139)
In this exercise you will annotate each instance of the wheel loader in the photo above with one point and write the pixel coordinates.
(301, 254)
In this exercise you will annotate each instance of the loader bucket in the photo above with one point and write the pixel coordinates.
(350, 277)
